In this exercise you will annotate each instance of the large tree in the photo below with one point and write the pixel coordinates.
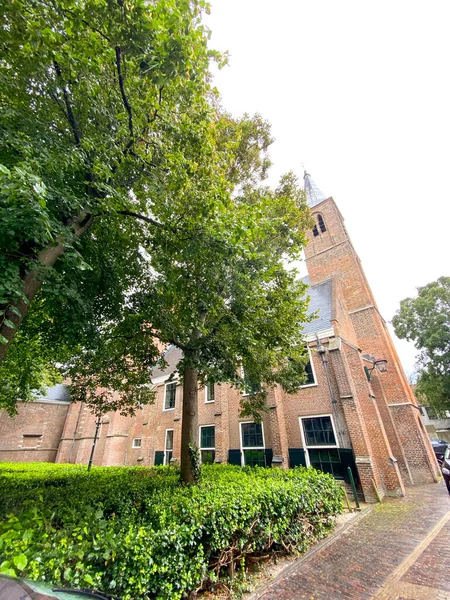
(216, 286)
(101, 102)
(425, 320)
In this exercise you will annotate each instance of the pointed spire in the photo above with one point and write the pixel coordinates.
(313, 194)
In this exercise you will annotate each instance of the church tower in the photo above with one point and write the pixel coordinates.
(330, 255)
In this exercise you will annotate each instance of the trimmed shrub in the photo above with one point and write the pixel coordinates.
(138, 533)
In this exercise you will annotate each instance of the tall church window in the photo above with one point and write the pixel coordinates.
(209, 392)
(321, 223)
(252, 444)
(169, 395)
(318, 431)
(207, 443)
(168, 446)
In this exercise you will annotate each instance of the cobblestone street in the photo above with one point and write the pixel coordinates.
(398, 551)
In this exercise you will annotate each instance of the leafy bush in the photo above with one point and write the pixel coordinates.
(138, 533)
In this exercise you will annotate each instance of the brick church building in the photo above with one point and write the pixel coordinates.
(356, 409)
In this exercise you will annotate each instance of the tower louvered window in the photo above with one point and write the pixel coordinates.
(321, 223)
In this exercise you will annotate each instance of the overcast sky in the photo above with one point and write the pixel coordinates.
(358, 92)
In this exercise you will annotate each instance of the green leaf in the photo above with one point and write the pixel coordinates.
(15, 310)
(20, 561)
(9, 324)
(9, 572)
(88, 579)
(3, 340)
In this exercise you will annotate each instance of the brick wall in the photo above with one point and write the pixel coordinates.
(34, 433)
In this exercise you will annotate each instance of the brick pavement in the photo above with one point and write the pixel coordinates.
(398, 551)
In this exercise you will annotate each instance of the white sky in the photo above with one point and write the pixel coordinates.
(359, 92)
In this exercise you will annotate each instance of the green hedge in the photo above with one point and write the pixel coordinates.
(138, 533)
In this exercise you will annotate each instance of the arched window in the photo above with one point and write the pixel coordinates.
(315, 231)
(321, 223)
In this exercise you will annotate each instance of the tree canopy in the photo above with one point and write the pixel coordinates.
(425, 320)
(103, 107)
(99, 102)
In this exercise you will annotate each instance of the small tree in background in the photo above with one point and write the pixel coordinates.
(425, 320)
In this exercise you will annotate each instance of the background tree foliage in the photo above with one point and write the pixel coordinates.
(425, 320)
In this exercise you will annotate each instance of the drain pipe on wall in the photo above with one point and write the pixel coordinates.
(321, 350)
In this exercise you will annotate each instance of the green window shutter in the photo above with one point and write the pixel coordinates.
(159, 458)
(234, 457)
(269, 455)
(348, 460)
(297, 457)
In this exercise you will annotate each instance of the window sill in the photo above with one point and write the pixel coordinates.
(332, 446)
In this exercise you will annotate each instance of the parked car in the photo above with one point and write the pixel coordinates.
(439, 447)
(12, 588)
(446, 468)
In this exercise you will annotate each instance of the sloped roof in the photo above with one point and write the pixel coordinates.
(320, 301)
(172, 356)
(56, 393)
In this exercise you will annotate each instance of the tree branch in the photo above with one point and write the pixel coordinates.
(70, 116)
(124, 96)
(129, 213)
(155, 114)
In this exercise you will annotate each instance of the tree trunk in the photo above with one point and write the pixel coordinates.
(31, 285)
(189, 425)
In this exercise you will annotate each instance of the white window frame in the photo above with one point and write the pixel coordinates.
(137, 446)
(165, 461)
(165, 392)
(308, 385)
(200, 438)
(206, 393)
(241, 440)
(321, 447)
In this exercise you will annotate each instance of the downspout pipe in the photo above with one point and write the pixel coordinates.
(321, 350)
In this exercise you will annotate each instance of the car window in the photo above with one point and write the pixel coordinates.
(447, 453)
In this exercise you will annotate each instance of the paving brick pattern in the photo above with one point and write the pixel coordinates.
(363, 562)
(432, 567)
